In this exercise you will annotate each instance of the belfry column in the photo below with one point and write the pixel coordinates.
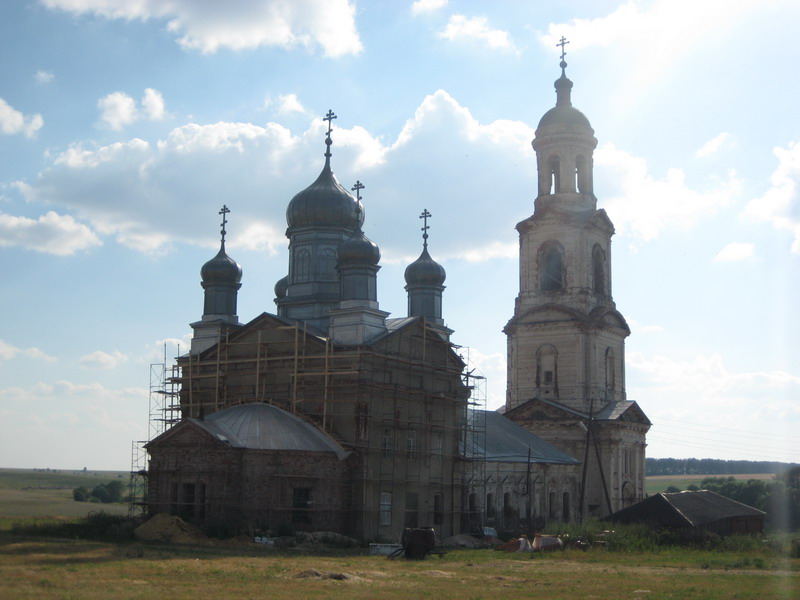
(566, 338)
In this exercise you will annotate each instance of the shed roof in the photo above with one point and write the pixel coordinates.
(505, 441)
(259, 426)
(684, 509)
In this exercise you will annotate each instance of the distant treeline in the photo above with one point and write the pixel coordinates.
(713, 466)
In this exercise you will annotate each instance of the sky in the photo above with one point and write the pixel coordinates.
(125, 126)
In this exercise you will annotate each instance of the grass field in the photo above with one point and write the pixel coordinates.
(25, 493)
(44, 568)
(73, 569)
(659, 483)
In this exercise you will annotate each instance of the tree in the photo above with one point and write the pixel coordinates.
(80, 494)
(101, 493)
(115, 490)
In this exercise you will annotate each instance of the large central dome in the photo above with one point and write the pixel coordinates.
(325, 203)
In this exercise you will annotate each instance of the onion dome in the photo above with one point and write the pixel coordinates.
(221, 269)
(325, 203)
(425, 271)
(358, 249)
(281, 287)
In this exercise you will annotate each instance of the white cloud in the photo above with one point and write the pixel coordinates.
(475, 28)
(44, 77)
(701, 391)
(151, 182)
(653, 37)
(54, 415)
(713, 145)
(117, 110)
(734, 252)
(12, 121)
(778, 205)
(490, 252)
(211, 26)
(492, 368)
(645, 205)
(153, 105)
(103, 360)
(50, 234)
(288, 104)
(427, 6)
(9, 352)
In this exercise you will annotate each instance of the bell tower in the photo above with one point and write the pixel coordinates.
(566, 340)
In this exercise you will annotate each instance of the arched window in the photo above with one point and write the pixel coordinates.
(303, 265)
(554, 168)
(610, 370)
(547, 370)
(599, 270)
(327, 265)
(582, 175)
(551, 267)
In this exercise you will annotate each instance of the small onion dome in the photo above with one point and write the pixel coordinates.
(281, 286)
(325, 203)
(221, 269)
(425, 271)
(358, 249)
(564, 113)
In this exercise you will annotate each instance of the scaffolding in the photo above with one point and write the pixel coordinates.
(401, 403)
(164, 411)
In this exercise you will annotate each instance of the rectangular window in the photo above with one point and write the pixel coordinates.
(386, 509)
(186, 509)
(438, 509)
(489, 506)
(301, 505)
(387, 443)
(362, 420)
(438, 442)
(548, 378)
(412, 509)
(411, 445)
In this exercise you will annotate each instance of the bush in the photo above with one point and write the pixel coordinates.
(104, 492)
(100, 526)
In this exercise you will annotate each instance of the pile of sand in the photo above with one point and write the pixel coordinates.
(164, 527)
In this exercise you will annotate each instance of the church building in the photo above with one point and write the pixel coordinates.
(566, 340)
(330, 416)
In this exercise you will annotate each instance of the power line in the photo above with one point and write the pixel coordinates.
(740, 432)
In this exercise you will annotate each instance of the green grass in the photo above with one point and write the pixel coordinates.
(660, 483)
(19, 479)
(33, 568)
(29, 495)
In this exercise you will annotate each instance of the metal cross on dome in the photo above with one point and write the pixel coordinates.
(357, 189)
(224, 212)
(563, 64)
(563, 42)
(328, 142)
(425, 216)
(329, 118)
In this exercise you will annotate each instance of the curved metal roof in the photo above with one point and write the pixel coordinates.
(259, 426)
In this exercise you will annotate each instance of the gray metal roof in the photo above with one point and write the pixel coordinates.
(684, 509)
(506, 441)
(260, 426)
